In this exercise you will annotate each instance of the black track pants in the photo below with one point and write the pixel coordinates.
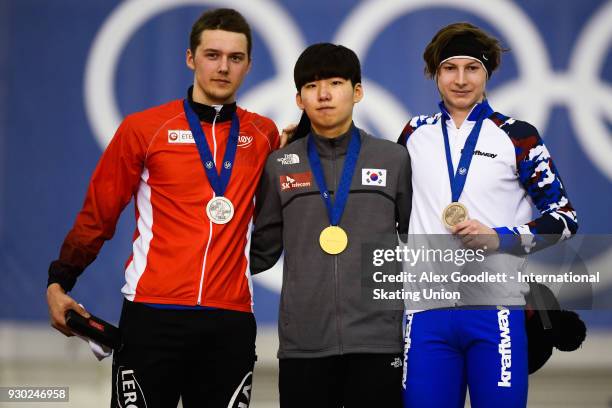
(204, 356)
(350, 381)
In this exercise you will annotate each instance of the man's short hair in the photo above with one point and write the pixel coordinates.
(220, 19)
(325, 60)
(462, 32)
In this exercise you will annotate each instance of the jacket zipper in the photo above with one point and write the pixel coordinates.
(210, 223)
(336, 277)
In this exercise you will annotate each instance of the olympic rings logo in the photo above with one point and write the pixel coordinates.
(580, 89)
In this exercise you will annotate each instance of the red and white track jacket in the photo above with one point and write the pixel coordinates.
(179, 256)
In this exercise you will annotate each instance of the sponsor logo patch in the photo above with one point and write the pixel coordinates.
(484, 154)
(289, 158)
(129, 392)
(245, 141)
(504, 347)
(295, 181)
(374, 177)
(242, 394)
(180, 137)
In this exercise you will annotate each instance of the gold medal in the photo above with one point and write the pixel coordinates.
(453, 214)
(333, 240)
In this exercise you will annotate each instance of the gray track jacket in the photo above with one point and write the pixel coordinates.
(321, 308)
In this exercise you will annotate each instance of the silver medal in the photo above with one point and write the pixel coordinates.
(220, 210)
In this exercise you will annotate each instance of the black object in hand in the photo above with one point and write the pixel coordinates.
(549, 326)
(95, 329)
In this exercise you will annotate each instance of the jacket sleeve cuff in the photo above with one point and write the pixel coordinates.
(63, 274)
(508, 240)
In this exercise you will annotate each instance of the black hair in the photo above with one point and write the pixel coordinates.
(322, 61)
(326, 60)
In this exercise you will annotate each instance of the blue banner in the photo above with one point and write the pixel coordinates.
(71, 70)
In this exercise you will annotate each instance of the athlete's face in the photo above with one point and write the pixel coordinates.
(219, 63)
(461, 82)
(329, 104)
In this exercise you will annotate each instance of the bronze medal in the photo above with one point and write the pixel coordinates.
(453, 214)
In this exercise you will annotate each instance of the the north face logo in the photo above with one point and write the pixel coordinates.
(289, 158)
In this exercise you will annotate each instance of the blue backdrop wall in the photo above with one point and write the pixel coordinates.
(70, 70)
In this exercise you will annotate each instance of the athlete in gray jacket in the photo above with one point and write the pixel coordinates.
(329, 332)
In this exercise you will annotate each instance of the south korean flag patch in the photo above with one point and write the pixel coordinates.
(374, 177)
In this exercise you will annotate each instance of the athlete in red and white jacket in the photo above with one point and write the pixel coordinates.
(179, 256)
(187, 327)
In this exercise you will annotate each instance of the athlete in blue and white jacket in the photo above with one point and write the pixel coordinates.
(450, 349)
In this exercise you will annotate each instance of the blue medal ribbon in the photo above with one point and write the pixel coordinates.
(457, 179)
(335, 209)
(218, 181)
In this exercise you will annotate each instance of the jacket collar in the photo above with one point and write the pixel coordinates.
(207, 113)
(332, 147)
(474, 114)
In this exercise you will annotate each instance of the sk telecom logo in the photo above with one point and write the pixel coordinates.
(296, 180)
